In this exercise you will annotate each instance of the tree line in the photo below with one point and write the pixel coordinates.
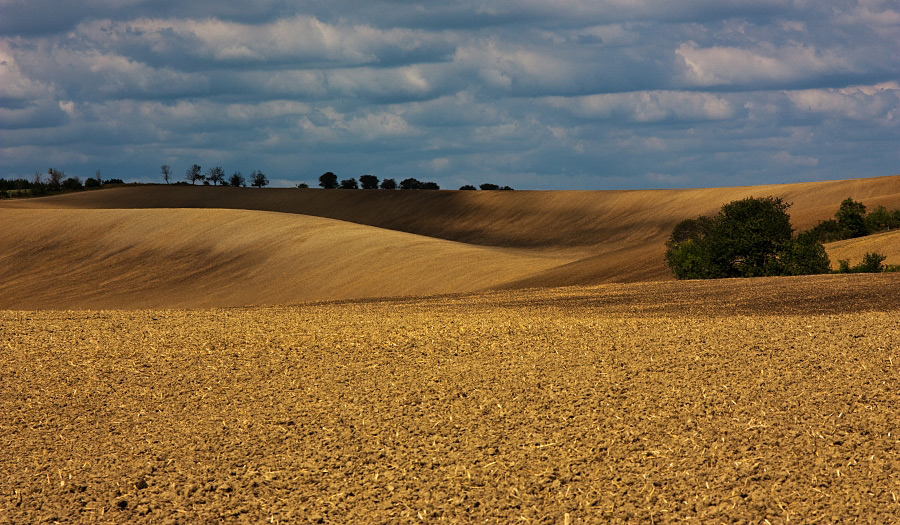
(753, 237)
(851, 221)
(54, 180)
(329, 181)
(216, 176)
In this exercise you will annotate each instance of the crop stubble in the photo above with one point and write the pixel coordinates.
(774, 399)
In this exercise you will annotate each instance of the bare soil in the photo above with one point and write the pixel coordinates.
(727, 401)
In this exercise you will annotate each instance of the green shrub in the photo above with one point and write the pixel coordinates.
(871, 263)
(748, 238)
(844, 266)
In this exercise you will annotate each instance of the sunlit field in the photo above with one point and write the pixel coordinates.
(710, 401)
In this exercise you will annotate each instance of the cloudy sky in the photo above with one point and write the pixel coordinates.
(568, 94)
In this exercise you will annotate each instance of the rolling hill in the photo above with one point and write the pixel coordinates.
(185, 246)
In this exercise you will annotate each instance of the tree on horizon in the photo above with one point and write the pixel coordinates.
(368, 182)
(328, 180)
(258, 179)
(215, 175)
(193, 174)
(237, 179)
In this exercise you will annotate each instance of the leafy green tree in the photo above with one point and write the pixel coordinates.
(328, 180)
(368, 182)
(880, 219)
(871, 263)
(388, 184)
(488, 186)
(349, 184)
(468, 187)
(806, 256)
(827, 231)
(687, 250)
(303, 185)
(851, 218)
(747, 238)
(749, 235)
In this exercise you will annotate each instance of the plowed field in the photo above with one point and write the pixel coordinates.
(746, 401)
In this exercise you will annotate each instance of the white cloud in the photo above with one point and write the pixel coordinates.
(16, 84)
(731, 66)
(880, 101)
(379, 125)
(300, 37)
(648, 106)
(501, 66)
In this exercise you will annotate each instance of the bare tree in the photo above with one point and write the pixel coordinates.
(38, 178)
(215, 175)
(55, 177)
(193, 174)
(258, 179)
(166, 171)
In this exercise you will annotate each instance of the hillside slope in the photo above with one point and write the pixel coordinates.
(853, 250)
(61, 259)
(520, 219)
(205, 246)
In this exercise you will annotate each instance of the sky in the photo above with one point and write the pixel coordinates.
(534, 94)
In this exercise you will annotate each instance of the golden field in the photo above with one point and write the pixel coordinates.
(649, 402)
(200, 355)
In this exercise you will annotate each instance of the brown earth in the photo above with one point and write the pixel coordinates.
(750, 401)
(183, 246)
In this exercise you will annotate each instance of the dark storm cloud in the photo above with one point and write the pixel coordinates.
(569, 94)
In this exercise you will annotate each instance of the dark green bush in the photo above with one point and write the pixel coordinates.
(871, 263)
(747, 238)
(72, 183)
